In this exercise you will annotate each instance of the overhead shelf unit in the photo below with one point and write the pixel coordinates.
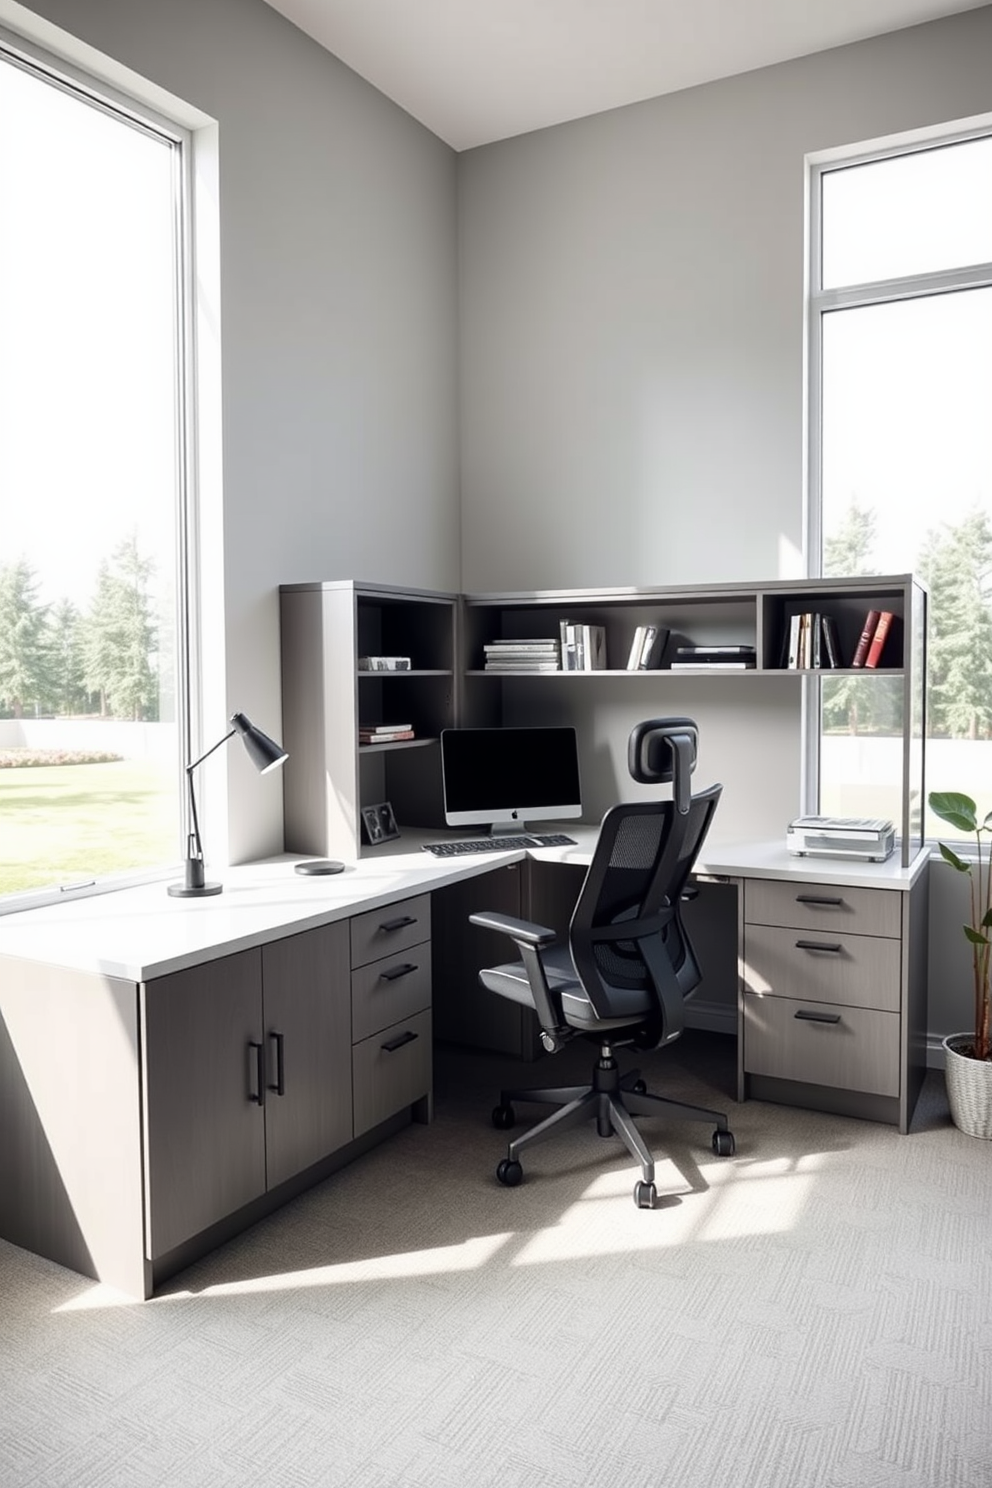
(758, 616)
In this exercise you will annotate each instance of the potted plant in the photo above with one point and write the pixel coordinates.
(968, 1056)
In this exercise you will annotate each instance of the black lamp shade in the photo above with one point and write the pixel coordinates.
(264, 753)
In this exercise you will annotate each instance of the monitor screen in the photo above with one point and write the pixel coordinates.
(501, 777)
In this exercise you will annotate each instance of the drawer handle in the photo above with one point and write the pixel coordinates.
(280, 1086)
(818, 945)
(399, 924)
(404, 969)
(258, 1097)
(806, 1017)
(821, 899)
(398, 1042)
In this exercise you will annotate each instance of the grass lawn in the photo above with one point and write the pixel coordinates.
(70, 823)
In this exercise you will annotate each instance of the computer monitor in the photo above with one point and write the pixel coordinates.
(503, 777)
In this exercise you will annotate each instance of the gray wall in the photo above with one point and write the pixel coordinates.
(337, 310)
(632, 317)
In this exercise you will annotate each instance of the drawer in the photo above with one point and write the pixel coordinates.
(387, 991)
(857, 1050)
(829, 907)
(847, 970)
(391, 1070)
(383, 932)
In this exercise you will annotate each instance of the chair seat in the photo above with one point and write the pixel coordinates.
(632, 1004)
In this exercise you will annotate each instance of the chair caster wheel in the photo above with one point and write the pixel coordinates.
(509, 1172)
(639, 1087)
(645, 1195)
(504, 1117)
(724, 1144)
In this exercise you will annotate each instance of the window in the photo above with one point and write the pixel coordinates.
(93, 501)
(901, 467)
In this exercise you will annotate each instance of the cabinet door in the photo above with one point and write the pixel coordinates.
(307, 1006)
(204, 1127)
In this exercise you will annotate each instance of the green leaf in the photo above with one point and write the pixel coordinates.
(957, 809)
(975, 936)
(953, 859)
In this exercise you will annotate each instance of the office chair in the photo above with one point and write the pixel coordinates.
(628, 965)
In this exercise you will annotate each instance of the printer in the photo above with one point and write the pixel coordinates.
(871, 839)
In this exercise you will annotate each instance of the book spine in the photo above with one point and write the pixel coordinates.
(830, 645)
(636, 649)
(816, 649)
(647, 647)
(793, 657)
(878, 639)
(865, 640)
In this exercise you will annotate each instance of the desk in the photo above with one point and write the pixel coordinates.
(148, 1112)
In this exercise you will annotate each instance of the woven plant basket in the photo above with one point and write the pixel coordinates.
(969, 1087)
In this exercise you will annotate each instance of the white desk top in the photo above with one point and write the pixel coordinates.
(141, 933)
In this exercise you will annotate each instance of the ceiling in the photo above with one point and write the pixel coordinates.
(474, 71)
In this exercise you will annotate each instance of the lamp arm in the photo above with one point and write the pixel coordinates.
(229, 735)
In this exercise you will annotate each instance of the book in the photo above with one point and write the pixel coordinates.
(655, 641)
(378, 738)
(865, 639)
(592, 648)
(712, 666)
(792, 658)
(568, 646)
(636, 648)
(882, 629)
(831, 645)
(384, 728)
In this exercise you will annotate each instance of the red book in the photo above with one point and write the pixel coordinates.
(878, 639)
(867, 634)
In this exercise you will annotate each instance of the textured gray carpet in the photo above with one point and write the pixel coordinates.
(815, 1311)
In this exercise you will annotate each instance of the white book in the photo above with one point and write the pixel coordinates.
(636, 649)
(593, 648)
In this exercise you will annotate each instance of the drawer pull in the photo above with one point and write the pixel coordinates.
(398, 924)
(806, 1017)
(823, 900)
(818, 945)
(280, 1086)
(398, 1042)
(404, 969)
(258, 1098)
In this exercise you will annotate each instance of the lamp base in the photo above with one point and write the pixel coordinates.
(320, 865)
(183, 891)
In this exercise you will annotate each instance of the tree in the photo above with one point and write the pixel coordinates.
(68, 689)
(852, 703)
(119, 636)
(957, 566)
(25, 661)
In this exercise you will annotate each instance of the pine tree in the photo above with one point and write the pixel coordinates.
(68, 691)
(119, 636)
(850, 703)
(957, 567)
(25, 662)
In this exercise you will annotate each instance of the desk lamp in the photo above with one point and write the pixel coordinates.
(265, 754)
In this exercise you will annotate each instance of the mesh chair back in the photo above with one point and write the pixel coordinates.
(626, 929)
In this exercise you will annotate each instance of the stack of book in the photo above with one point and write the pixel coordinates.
(583, 647)
(539, 654)
(715, 658)
(812, 642)
(647, 647)
(871, 642)
(384, 733)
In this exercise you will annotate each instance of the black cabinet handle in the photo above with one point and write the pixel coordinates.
(806, 1017)
(259, 1097)
(399, 924)
(280, 1086)
(404, 969)
(821, 899)
(818, 945)
(398, 1042)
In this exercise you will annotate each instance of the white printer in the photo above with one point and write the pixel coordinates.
(869, 838)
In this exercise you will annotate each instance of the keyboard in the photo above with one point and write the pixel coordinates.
(498, 844)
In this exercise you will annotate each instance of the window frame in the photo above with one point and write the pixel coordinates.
(134, 112)
(820, 302)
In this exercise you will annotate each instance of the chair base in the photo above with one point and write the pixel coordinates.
(612, 1099)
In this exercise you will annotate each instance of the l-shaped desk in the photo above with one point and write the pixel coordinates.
(171, 1070)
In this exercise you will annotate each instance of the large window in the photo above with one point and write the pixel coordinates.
(901, 471)
(93, 608)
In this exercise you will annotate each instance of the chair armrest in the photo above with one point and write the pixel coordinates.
(523, 931)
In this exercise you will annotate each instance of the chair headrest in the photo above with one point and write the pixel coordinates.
(663, 750)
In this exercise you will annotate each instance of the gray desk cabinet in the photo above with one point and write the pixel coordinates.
(391, 981)
(833, 996)
(248, 1078)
